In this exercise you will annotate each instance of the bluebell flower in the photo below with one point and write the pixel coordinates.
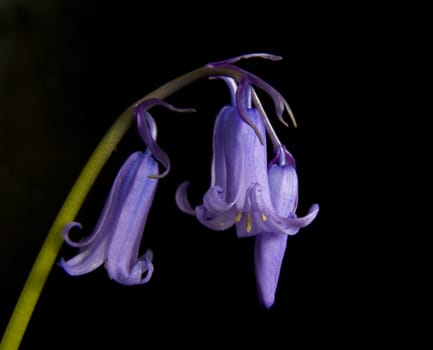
(270, 246)
(116, 238)
(115, 241)
(240, 192)
(260, 200)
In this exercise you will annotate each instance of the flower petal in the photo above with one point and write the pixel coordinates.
(291, 224)
(246, 157)
(268, 256)
(93, 248)
(142, 270)
(122, 251)
(182, 198)
(243, 104)
(214, 202)
(250, 79)
(283, 184)
(223, 221)
(65, 233)
(148, 132)
(307, 219)
(147, 129)
(279, 101)
(218, 166)
(258, 203)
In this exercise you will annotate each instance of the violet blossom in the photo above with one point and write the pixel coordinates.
(260, 199)
(116, 238)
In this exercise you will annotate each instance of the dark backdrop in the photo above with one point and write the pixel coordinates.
(68, 69)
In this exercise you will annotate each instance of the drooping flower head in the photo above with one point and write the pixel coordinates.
(270, 246)
(259, 198)
(239, 167)
(115, 241)
(240, 192)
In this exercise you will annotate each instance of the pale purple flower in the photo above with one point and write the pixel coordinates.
(270, 246)
(115, 241)
(240, 185)
(116, 238)
(261, 202)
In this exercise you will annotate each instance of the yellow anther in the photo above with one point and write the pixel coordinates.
(238, 217)
(249, 222)
(264, 217)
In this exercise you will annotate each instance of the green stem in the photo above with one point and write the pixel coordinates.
(48, 254)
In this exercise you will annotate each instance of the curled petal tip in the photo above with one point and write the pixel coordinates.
(145, 267)
(182, 198)
(68, 227)
(314, 210)
(309, 218)
(147, 129)
(65, 233)
(148, 255)
(165, 161)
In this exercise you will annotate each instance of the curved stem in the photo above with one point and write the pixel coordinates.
(53, 242)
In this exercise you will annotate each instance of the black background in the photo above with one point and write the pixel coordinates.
(68, 70)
